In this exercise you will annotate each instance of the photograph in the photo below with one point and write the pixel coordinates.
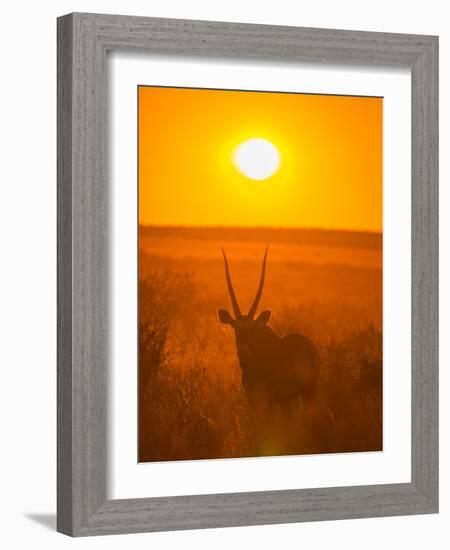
(260, 273)
(223, 313)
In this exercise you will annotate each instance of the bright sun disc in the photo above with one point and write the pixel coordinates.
(257, 158)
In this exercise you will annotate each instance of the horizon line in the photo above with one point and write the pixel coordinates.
(261, 227)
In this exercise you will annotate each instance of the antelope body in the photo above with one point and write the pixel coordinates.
(275, 371)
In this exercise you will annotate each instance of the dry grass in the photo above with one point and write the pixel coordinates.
(192, 404)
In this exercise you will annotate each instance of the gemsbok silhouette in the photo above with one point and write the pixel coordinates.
(275, 371)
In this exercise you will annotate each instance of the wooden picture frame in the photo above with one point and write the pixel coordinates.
(83, 41)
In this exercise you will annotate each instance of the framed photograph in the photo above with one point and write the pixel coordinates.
(247, 274)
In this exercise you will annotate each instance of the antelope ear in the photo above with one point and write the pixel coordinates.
(224, 317)
(264, 317)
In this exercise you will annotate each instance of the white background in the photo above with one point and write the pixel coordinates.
(28, 270)
(131, 480)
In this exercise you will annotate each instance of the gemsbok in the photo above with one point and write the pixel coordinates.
(275, 371)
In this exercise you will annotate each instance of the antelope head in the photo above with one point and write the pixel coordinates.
(244, 325)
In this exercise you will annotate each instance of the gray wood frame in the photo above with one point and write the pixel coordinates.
(83, 40)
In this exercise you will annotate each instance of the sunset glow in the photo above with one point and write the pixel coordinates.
(330, 150)
(260, 274)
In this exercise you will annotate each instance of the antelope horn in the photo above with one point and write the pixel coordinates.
(234, 302)
(252, 310)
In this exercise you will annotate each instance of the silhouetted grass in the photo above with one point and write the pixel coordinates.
(192, 403)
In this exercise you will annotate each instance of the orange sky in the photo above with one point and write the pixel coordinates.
(330, 174)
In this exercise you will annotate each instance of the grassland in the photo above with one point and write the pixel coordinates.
(324, 284)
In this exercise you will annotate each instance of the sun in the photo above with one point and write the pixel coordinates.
(257, 158)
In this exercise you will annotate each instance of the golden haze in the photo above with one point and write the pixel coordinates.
(323, 284)
(331, 159)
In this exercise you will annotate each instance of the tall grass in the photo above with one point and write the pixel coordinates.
(191, 401)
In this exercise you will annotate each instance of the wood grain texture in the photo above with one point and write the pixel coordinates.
(64, 294)
(83, 40)
(425, 273)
